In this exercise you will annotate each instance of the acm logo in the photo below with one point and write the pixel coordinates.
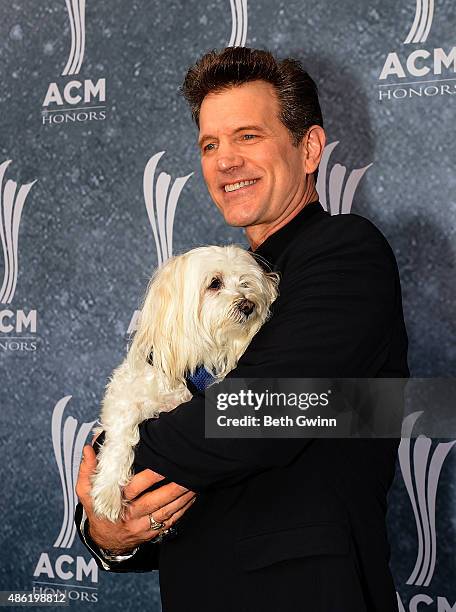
(336, 188)
(75, 101)
(85, 100)
(13, 321)
(421, 64)
(421, 464)
(55, 568)
(161, 199)
(425, 603)
(239, 21)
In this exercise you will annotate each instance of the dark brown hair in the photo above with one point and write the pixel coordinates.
(233, 66)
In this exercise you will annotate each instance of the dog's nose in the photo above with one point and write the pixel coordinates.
(246, 307)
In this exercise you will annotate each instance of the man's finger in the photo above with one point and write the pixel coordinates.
(151, 502)
(152, 533)
(88, 461)
(140, 482)
(143, 507)
(86, 468)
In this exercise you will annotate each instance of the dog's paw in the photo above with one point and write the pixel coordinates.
(108, 502)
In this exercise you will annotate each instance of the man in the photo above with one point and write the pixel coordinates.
(278, 524)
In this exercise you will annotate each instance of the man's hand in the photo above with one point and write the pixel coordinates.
(168, 503)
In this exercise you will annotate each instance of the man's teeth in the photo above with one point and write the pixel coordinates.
(235, 186)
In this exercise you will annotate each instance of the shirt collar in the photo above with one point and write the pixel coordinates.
(271, 248)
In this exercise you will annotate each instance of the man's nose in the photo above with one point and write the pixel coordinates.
(228, 159)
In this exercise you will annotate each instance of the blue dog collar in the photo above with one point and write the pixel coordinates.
(200, 378)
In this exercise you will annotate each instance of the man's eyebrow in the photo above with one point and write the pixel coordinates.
(256, 128)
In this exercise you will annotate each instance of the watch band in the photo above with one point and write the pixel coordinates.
(110, 556)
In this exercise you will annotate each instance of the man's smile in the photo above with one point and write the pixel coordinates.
(237, 185)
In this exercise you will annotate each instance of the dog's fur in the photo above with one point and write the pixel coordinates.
(201, 308)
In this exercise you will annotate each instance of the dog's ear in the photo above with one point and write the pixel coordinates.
(162, 321)
(272, 278)
(272, 281)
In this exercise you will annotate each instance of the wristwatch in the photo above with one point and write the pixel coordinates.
(109, 556)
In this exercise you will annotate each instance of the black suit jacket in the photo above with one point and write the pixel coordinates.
(291, 524)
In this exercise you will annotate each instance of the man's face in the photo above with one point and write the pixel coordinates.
(242, 140)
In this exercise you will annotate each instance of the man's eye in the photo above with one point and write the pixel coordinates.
(216, 283)
(249, 136)
(209, 147)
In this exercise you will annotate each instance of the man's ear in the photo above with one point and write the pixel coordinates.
(313, 145)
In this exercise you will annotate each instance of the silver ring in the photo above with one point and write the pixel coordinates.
(153, 523)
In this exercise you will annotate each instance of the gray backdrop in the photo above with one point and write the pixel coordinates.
(89, 99)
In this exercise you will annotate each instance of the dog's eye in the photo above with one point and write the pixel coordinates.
(216, 283)
(244, 285)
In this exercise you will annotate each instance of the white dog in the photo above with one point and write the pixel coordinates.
(200, 309)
